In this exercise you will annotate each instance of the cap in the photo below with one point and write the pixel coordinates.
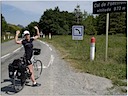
(26, 32)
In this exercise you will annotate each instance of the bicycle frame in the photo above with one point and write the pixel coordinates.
(33, 59)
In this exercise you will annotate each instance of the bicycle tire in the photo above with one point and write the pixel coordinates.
(37, 69)
(16, 83)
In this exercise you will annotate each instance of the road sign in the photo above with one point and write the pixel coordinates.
(109, 6)
(77, 32)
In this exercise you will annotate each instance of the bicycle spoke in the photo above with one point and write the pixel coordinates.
(37, 68)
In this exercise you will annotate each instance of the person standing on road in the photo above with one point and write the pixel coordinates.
(28, 47)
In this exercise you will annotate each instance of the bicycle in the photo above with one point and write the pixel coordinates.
(19, 72)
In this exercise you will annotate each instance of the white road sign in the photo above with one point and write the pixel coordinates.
(77, 32)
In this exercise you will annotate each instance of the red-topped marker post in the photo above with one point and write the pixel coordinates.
(92, 48)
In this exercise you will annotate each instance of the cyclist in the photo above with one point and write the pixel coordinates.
(28, 47)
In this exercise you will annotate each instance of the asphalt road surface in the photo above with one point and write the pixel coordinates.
(57, 79)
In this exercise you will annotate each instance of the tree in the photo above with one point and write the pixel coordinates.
(78, 14)
(89, 25)
(31, 28)
(12, 28)
(4, 25)
(117, 22)
(101, 24)
(56, 21)
(85, 14)
(8, 27)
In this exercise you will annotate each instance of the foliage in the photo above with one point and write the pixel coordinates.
(4, 25)
(56, 22)
(78, 14)
(117, 23)
(13, 28)
(30, 28)
(89, 25)
(8, 27)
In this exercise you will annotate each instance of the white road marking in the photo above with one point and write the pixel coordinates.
(11, 52)
(46, 44)
(41, 41)
(5, 55)
(50, 62)
(52, 57)
(50, 48)
(17, 49)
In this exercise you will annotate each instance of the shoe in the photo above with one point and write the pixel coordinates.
(36, 85)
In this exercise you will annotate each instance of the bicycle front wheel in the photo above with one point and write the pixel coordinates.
(37, 68)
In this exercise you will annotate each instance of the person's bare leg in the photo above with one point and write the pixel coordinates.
(32, 71)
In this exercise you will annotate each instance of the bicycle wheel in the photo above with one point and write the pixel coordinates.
(37, 68)
(17, 85)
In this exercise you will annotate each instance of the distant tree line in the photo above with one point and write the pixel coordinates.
(6, 27)
(60, 22)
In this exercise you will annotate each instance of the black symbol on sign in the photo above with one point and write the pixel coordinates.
(78, 30)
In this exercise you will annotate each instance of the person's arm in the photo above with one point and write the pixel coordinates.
(16, 38)
(38, 34)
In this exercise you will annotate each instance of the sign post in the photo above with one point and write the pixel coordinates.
(108, 7)
(107, 27)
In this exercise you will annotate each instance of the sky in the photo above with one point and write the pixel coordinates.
(25, 12)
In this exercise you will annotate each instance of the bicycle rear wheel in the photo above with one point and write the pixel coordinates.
(17, 85)
(37, 68)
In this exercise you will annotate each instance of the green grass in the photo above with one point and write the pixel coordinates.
(78, 54)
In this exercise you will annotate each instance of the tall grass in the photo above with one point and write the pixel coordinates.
(78, 54)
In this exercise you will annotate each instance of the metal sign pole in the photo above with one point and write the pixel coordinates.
(107, 27)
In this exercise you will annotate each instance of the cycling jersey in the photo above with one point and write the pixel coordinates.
(28, 46)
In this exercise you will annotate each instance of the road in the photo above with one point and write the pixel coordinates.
(57, 79)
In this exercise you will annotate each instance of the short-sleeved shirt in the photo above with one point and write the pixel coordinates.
(28, 46)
